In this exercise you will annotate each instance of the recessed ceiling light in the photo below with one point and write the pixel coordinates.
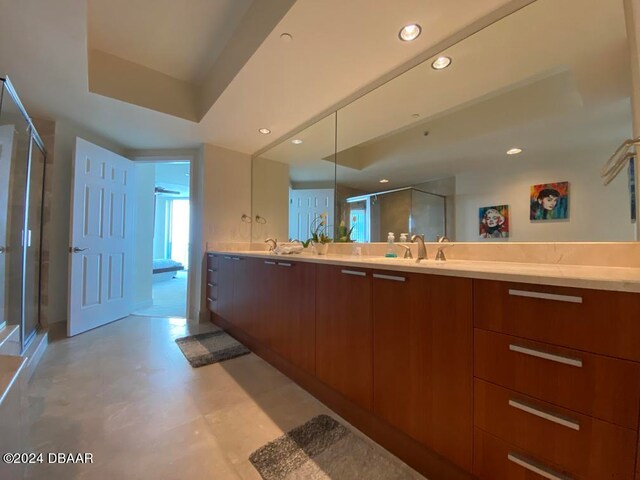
(265, 131)
(415, 115)
(296, 141)
(441, 63)
(384, 180)
(286, 37)
(410, 32)
(514, 151)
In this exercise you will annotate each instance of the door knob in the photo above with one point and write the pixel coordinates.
(77, 249)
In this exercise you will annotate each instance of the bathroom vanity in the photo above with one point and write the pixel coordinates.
(461, 369)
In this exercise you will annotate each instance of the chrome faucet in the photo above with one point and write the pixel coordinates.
(440, 256)
(422, 249)
(407, 251)
(273, 244)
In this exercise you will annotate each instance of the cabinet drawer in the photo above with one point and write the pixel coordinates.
(495, 459)
(585, 446)
(599, 386)
(592, 320)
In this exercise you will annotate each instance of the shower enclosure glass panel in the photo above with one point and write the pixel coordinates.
(33, 242)
(22, 166)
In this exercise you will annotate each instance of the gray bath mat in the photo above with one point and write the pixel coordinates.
(325, 449)
(211, 347)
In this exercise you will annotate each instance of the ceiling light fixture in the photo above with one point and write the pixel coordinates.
(410, 32)
(265, 131)
(415, 115)
(296, 141)
(514, 151)
(441, 63)
(384, 180)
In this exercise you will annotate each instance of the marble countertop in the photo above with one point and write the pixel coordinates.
(10, 366)
(579, 276)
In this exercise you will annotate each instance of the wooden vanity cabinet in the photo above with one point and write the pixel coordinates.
(224, 285)
(423, 359)
(344, 333)
(287, 311)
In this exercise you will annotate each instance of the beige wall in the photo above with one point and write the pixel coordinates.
(143, 234)
(632, 12)
(60, 174)
(220, 194)
(270, 199)
(596, 212)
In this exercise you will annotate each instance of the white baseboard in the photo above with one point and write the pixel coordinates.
(36, 350)
(142, 305)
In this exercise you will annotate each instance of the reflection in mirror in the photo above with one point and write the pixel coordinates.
(546, 81)
(294, 183)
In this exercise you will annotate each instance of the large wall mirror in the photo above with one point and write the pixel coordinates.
(293, 183)
(501, 137)
(506, 143)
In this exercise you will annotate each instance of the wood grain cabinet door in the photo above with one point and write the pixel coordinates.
(344, 357)
(295, 312)
(423, 357)
(225, 288)
(245, 294)
(266, 285)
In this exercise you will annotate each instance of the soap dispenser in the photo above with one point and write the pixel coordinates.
(391, 252)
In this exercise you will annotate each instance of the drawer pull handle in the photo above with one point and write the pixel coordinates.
(389, 277)
(545, 296)
(269, 262)
(211, 300)
(284, 264)
(227, 257)
(536, 467)
(236, 258)
(564, 421)
(354, 272)
(211, 270)
(212, 285)
(574, 362)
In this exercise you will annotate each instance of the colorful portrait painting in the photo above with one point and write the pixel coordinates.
(494, 222)
(550, 201)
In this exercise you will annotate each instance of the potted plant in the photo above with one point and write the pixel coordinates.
(344, 234)
(319, 237)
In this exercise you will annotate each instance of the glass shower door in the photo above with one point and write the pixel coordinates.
(14, 154)
(33, 221)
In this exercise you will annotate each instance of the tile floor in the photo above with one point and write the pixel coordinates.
(125, 393)
(169, 298)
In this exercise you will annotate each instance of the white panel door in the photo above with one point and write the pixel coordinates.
(6, 149)
(306, 206)
(101, 248)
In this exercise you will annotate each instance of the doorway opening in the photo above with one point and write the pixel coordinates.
(170, 239)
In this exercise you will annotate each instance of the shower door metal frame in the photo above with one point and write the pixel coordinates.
(34, 136)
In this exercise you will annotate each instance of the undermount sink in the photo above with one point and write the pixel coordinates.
(403, 261)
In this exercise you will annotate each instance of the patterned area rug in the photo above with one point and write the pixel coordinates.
(211, 347)
(324, 449)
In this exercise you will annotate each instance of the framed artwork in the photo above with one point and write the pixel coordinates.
(494, 221)
(550, 201)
